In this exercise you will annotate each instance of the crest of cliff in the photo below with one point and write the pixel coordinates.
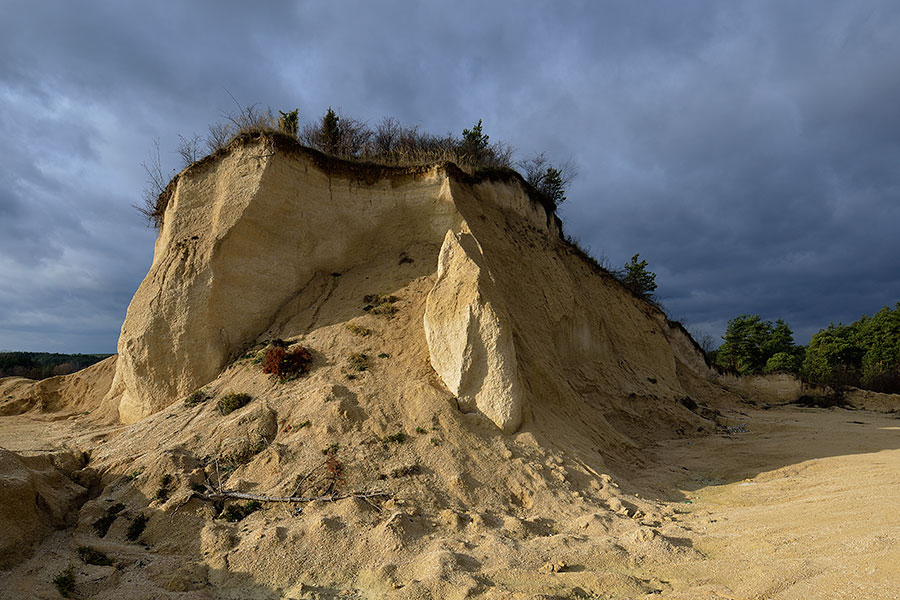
(475, 386)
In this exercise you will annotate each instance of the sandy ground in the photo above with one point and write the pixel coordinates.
(802, 505)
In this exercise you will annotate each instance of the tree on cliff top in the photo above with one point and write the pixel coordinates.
(549, 180)
(637, 278)
(338, 135)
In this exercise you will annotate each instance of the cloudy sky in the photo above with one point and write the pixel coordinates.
(750, 151)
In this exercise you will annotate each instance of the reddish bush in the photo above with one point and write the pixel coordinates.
(272, 362)
(335, 469)
(287, 365)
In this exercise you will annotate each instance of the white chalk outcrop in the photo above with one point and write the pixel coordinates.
(470, 342)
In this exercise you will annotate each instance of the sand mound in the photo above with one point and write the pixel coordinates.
(82, 391)
(38, 495)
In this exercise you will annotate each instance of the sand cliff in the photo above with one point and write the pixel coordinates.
(476, 420)
(245, 236)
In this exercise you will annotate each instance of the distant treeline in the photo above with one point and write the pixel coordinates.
(864, 354)
(40, 365)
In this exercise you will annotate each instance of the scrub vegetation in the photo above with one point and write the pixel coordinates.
(389, 143)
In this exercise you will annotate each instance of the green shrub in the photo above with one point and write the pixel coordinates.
(196, 398)
(782, 362)
(547, 180)
(289, 122)
(136, 527)
(94, 557)
(380, 305)
(358, 329)
(231, 402)
(358, 361)
(238, 512)
(638, 279)
(101, 526)
(162, 492)
(65, 582)
(396, 438)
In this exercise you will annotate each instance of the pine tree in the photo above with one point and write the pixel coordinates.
(331, 132)
(289, 122)
(638, 279)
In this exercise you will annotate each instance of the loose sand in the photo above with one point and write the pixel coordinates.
(800, 505)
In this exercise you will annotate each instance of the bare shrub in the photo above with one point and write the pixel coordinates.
(219, 136)
(189, 149)
(155, 187)
(390, 143)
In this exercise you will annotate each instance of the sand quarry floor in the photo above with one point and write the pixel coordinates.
(795, 503)
(802, 505)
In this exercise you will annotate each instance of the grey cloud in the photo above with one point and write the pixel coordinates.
(748, 150)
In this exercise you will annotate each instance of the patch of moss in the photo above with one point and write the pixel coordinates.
(229, 403)
(101, 526)
(198, 397)
(358, 329)
(239, 512)
(94, 557)
(396, 438)
(380, 304)
(358, 361)
(137, 526)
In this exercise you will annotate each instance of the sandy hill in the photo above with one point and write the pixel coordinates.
(478, 393)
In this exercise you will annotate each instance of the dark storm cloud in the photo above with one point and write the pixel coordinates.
(748, 150)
